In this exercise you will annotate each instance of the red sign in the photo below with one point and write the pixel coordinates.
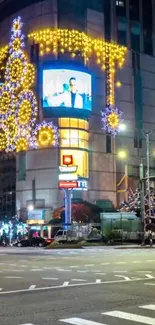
(65, 184)
(67, 160)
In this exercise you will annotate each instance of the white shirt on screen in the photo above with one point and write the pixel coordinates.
(64, 100)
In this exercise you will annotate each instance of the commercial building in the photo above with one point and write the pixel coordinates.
(56, 38)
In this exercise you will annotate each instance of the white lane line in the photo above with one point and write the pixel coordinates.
(126, 278)
(89, 264)
(149, 276)
(98, 280)
(14, 270)
(63, 270)
(101, 273)
(149, 284)
(149, 307)
(13, 277)
(136, 262)
(32, 287)
(27, 324)
(149, 261)
(36, 270)
(65, 284)
(73, 266)
(73, 285)
(105, 263)
(79, 271)
(50, 278)
(121, 262)
(120, 271)
(13, 264)
(79, 321)
(131, 317)
(79, 280)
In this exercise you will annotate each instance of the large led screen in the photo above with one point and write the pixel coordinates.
(66, 89)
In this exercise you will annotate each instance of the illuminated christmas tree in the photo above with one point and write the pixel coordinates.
(18, 104)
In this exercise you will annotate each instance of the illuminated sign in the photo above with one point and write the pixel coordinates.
(68, 177)
(67, 169)
(67, 160)
(82, 185)
(65, 184)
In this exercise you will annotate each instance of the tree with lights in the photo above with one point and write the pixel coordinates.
(18, 104)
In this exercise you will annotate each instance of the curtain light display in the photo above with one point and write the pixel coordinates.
(18, 104)
(111, 118)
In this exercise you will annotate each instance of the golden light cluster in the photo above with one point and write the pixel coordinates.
(3, 139)
(45, 137)
(113, 120)
(24, 113)
(16, 70)
(21, 144)
(3, 53)
(16, 44)
(75, 42)
(5, 101)
(29, 76)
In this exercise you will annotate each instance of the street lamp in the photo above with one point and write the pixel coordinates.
(122, 127)
(122, 154)
(30, 208)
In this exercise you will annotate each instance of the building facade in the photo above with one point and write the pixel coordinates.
(128, 23)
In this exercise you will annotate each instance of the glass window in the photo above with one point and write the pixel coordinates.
(22, 166)
(64, 138)
(147, 26)
(134, 9)
(80, 158)
(121, 37)
(64, 122)
(74, 123)
(74, 138)
(86, 125)
(121, 8)
(108, 143)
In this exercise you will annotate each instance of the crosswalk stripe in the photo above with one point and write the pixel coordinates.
(131, 317)
(79, 321)
(150, 307)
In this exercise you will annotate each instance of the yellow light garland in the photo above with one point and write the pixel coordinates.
(3, 140)
(10, 123)
(5, 101)
(21, 144)
(16, 70)
(113, 120)
(45, 137)
(29, 77)
(24, 113)
(16, 44)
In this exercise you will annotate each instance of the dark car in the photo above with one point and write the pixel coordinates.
(40, 242)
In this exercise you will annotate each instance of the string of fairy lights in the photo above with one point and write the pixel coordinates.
(18, 105)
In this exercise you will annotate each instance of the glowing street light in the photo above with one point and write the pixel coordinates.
(30, 207)
(122, 154)
(122, 127)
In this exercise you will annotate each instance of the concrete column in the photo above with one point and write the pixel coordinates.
(41, 231)
(49, 231)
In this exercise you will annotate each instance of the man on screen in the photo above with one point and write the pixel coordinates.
(68, 98)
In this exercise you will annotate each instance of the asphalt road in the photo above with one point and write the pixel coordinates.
(85, 287)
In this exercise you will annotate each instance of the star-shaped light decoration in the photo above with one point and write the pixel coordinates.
(111, 119)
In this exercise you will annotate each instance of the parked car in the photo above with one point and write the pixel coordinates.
(40, 242)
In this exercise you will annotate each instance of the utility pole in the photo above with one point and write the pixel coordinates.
(142, 205)
(148, 172)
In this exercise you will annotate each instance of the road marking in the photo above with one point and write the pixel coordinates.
(101, 273)
(79, 280)
(72, 285)
(65, 284)
(50, 278)
(149, 284)
(27, 324)
(73, 266)
(149, 276)
(136, 262)
(131, 317)
(63, 270)
(105, 263)
(36, 270)
(13, 277)
(150, 307)
(82, 271)
(79, 321)
(121, 262)
(120, 271)
(14, 270)
(98, 280)
(126, 278)
(89, 264)
(32, 287)
(149, 261)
